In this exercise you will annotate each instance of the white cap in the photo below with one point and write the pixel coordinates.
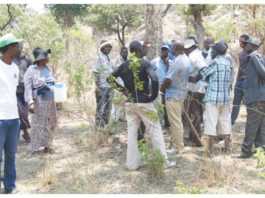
(105, 44)
(189, 43)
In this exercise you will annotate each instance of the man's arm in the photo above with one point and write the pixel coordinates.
(172, 71)
(114, 84)
(259, 65)
(154, 82)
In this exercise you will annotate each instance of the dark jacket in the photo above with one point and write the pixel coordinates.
(243, 61)
(255, 81)
(146, 75)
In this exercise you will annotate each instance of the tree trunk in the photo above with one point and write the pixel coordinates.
(198, 26)
(153, 29)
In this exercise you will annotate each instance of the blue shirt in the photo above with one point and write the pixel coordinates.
(161, 69)
(178, 73)
(220, 76)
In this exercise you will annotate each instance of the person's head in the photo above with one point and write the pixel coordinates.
(146, 47)
(190, 45)
(219, 48)
(137, 48)
(105, 47)
(9, 46)
(252, 44)
(178, 48)
(207, 43)
(164, 51)
(242, 40)
(41, 56)
(124, 52)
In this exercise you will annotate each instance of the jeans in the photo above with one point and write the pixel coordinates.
(255, 127)
(238, 98)
(104, 104)
(9, 132)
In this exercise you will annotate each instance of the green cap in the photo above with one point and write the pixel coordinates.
(8, 39)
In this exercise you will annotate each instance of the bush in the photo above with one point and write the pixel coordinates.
(153, 159)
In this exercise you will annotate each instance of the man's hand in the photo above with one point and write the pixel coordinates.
(126, 92)
(194, 79)
(32, 107)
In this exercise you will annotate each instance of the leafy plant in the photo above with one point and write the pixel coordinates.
(153, 159)
(260, 156)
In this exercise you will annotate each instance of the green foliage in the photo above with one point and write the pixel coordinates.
(183, 189)
(9, 17)
(104, 17)
(41, 31)
(153, 159)
(261, 175)
(203, 9)
(226, 28)
(135, 64)
(152, 115)
(65, 14)
(260, 156)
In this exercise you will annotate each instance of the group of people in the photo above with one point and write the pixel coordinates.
(195, 86)
(192, 86)
(25, 86)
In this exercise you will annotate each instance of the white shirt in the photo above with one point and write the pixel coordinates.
(9, 75)
(197, 63)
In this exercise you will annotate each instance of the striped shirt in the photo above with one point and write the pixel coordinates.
(219, 75)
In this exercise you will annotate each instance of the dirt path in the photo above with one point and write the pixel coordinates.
(76, 168)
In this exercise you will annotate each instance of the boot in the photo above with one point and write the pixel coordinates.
(209, 146)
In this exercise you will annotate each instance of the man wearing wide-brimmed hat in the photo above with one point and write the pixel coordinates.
(9, 118)
(254, 98)
(104, 93)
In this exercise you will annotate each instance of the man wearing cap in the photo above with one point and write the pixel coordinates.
(255, 99)
(9, 118)
(217, 116)
(102, 70)
(137, 74)
(175, 88)
(161, 65)
(194, 102)
(206, 52)
(241, 77)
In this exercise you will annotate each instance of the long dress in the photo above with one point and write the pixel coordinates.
(44, 119)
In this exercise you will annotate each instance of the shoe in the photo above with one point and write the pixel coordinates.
(244, 155)
(10, 191)
(48, 150)
(170, 164)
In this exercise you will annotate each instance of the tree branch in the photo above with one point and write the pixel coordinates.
(118, 31)
(123, 33)
(11, 17)
(164, 13)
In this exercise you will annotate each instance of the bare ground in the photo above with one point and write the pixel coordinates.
(81, 165)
